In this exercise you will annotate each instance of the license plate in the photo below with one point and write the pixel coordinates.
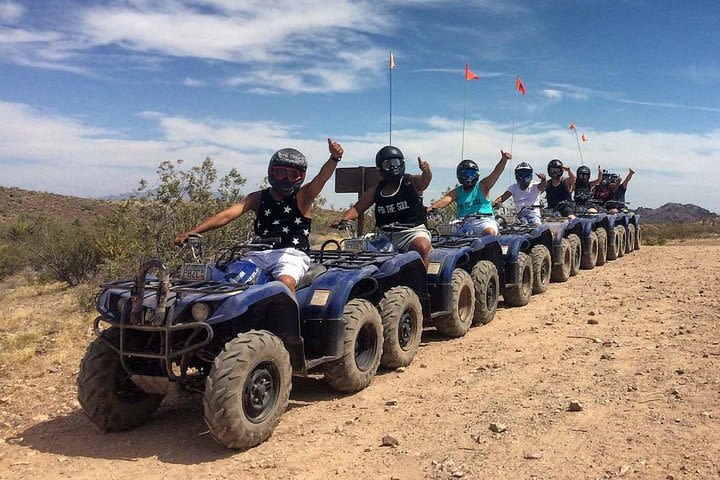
(354, 245)
(194, 272)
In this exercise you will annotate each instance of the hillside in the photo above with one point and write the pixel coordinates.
(674, 212)
(16, 201)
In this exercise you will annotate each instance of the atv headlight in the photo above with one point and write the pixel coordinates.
(200, 312)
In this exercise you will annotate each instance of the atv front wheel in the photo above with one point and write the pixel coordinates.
(487, 291)
(518, 294)
(561, 272)
(542, 266)
(107, 395)
(402, 320)
(362, 348)
(458, 322)
(590, 254)
(637, 237)
(614, 242)
(247, 389)
(602, 246)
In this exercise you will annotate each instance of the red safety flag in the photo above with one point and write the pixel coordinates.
(572, 125)
(392, 61)
(469, 75)
(583, 138)
(519, 85)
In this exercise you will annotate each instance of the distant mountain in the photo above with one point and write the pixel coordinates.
(673, 213)
(16, 201)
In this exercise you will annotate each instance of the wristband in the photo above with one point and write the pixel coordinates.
(336, 159)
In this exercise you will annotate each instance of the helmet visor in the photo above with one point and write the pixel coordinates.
(555, 171)
(286, 173)
(467, 174)
(391, 163)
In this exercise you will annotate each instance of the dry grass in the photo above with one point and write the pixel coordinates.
(39, 322)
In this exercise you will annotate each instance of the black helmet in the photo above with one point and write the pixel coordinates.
(614, 178)
(286, 171)
(523, 174)
(555, 169)
(467, 173)
(583, 175)
(390, 162)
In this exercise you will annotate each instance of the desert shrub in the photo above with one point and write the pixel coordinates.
(146, 225)
(66, 252)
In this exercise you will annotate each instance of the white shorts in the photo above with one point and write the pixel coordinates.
(402, 240)
(477, 226)
(531, 217)
(283, 261)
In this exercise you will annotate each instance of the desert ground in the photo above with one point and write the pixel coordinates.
(636, 343)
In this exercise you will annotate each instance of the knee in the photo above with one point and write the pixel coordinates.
(288, 281)
(422, 246)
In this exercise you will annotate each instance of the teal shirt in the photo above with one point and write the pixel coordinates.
(472, 202)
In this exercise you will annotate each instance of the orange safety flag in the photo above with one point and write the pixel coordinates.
(583, 138)
(469, 75)
(519, 85)
(392, 61)
(572, 125)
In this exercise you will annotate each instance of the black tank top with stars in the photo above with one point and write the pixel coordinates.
(282, 219)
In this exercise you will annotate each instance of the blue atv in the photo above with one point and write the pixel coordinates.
(458, 252)
(449, 281)
(629, 221)
(232, 332)
(527, 259)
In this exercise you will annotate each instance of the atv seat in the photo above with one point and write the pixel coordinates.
(315, 270)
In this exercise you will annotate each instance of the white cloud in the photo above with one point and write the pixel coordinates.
(193, 82)
(554, 95)
(47, 152)
(11, 12)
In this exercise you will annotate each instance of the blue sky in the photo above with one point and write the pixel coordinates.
(94, 95)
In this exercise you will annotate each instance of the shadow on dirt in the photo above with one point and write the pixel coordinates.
(175, 434)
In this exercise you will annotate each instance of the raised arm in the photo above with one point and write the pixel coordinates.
(597, 180)
(542, 186)
(450, 197)
(309, 192)
(365, 202)
(247, 204)
(488, 182)
(501, 199)
(422, 182)
(570, 181)
(630, 174)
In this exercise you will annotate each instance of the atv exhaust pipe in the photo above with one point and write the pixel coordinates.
(138, 292)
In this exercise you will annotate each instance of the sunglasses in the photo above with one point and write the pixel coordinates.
(391, 163)
(286, 173)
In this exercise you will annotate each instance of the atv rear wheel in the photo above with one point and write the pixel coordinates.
(576, 249)
(487, 291)
(463, 306)
(561, 273)
(590, 254)
(542, 266)
(630, 244)
(518, 295)
(602, 247)
(362, 348)
(109, 398)
(622, 233)
(247, 389)
(402, 320)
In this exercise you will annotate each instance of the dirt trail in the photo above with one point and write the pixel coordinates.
(636, 342)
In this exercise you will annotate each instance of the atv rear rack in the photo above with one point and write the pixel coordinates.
(348, 259)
